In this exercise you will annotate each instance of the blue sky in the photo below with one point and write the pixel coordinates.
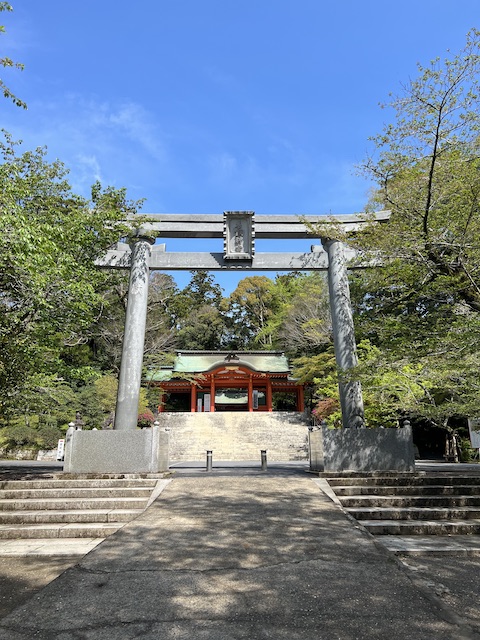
(201, 106)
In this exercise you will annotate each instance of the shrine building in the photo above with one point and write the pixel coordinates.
(209, 381)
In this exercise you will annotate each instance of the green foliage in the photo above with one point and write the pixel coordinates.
(106, 389)
(31, 432)
(47, 436)
(51, 290)
(250, 307)
(302, 313)
(6, 63)
(17, 435)
(143, 401)
(427, 171)
(204, 328)
(200, 319)
(201, 290)
(51, 295)
(319, 374)
(421, 309)
(467, 453)
(322, 367)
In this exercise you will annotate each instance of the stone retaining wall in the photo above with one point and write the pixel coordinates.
(362, 450)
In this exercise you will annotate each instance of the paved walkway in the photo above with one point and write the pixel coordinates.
(231, 556)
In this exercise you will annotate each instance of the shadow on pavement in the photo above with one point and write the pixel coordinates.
(28, 469)
(22, 578)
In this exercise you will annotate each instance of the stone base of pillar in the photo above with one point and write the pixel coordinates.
(361, 450)
(136, 451)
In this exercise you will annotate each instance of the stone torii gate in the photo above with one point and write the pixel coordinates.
(238, 229)
(129, 450)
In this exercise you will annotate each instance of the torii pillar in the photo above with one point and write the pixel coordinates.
(125, 449)
(134, 337)
(350, 391)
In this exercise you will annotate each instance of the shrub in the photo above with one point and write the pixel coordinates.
(327, 409)
(145, 419)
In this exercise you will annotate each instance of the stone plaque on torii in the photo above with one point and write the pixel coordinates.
(238, 229)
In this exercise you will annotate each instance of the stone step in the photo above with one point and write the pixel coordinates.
(423, 527)
(409, 501)
(413, 506)
(405, 479)
(407, 490)
(414, 513)
(85, 483)
(73, 503)
(69, 516)
(80, 493)
(73, 515)
(47, 547)
(55, 530)
(458, 546)
(63, 475)
(236, 435)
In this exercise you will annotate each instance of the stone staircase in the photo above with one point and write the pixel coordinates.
(413, 506)
(236, 435)
(69, 509)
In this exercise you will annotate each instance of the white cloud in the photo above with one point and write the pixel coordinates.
(91, 168)
(118, 144)
(223, 166)
(136, 123)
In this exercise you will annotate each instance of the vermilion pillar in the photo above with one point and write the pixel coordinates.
(300, 399)
(163, 398)
(193, 398)
(269, 395)
(212, 393)
(250, 393)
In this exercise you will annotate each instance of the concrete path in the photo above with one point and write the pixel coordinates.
(224, 557)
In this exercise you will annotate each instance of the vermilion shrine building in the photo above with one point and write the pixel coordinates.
(208, 381)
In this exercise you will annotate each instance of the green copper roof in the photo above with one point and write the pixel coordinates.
(198, 361)
(202, 361)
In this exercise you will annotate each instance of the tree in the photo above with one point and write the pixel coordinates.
(319, 373)
(305, 327)
(160, 332)
(6, 62)
(427, 171)
(422, 307)
(50, 289)
(203, 328)
(250, 309)
(201, 290)
(200, 318)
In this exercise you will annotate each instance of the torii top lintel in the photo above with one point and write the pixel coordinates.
(179, 225)
(239, 229)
